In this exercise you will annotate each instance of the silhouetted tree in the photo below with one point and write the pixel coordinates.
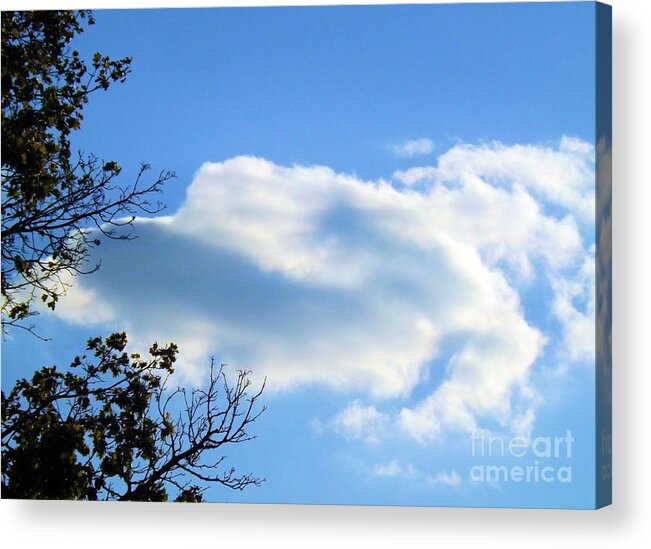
(109, 428)
(50, 196)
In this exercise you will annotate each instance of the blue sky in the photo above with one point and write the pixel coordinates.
(385, 210)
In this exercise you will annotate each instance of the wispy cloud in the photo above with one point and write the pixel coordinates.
(414, 147)
(360, 422)
(396, 470)
(445, 478)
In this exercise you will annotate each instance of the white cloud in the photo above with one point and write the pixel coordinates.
(578, 321)
(522, 424)
(393, 469)
(485, 375)
(416, 175)
(562, 176)
(360, 422)
(443, 477)
(397, 470)
(309, 276)
(414, 147)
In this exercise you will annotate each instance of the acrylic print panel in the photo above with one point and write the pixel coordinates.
(389, 228)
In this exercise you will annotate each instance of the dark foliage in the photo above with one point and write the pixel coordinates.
(51, 196)
(108, 428)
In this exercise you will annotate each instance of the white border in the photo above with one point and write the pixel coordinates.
(61, 524)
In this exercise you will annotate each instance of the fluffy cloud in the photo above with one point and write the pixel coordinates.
(360, 422)
(309, 276)
(562, 175)
(485, 374)
(414, 147)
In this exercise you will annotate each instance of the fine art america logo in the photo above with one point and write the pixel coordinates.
(519, 459)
